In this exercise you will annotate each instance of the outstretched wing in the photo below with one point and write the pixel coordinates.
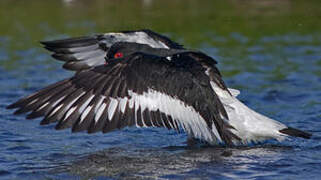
(141, 90)
(85, 52)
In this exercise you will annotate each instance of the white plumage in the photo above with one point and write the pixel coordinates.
(249, 125)
(137, 37)
(186, 116)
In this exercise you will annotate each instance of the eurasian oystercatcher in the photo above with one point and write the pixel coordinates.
(144, 79)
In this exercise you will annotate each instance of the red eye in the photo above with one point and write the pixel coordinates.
(118, 55)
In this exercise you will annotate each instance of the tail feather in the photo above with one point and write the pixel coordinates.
(295, 132)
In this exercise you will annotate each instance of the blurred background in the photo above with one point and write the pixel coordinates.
(269, 49)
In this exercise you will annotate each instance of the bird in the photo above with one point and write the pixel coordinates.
(144, 79)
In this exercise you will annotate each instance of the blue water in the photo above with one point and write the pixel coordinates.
(278, 75)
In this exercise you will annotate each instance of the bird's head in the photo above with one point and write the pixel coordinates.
(123, 49)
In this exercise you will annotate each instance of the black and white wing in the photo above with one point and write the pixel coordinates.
(85, 52)
(141, 90)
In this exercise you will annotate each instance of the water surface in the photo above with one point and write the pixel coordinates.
(270, 50)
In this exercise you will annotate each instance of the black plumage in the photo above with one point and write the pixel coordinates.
(182, 78)
(139, 119)
(296, 132)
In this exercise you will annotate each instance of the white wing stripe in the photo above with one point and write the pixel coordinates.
(56, 102)
(101, 98)
(100, 112)
(112, 108)
(69, 112)
(183, 114)
(55, 110)
(44, 105)
(33, 101)
(85, 113)
(83, 106)
(214, 130)
(142, 117)
(122, 104)
(136, 109)
(131, 103)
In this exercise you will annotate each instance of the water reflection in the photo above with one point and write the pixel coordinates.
(177, 161)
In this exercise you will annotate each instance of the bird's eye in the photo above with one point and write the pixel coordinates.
(118, 55)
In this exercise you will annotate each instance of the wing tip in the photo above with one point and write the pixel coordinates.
(295, 133)
(12, 106)
(45, 43)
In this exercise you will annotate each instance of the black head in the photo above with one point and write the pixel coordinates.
(123, 49)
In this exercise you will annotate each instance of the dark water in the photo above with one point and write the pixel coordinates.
(270, 50)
